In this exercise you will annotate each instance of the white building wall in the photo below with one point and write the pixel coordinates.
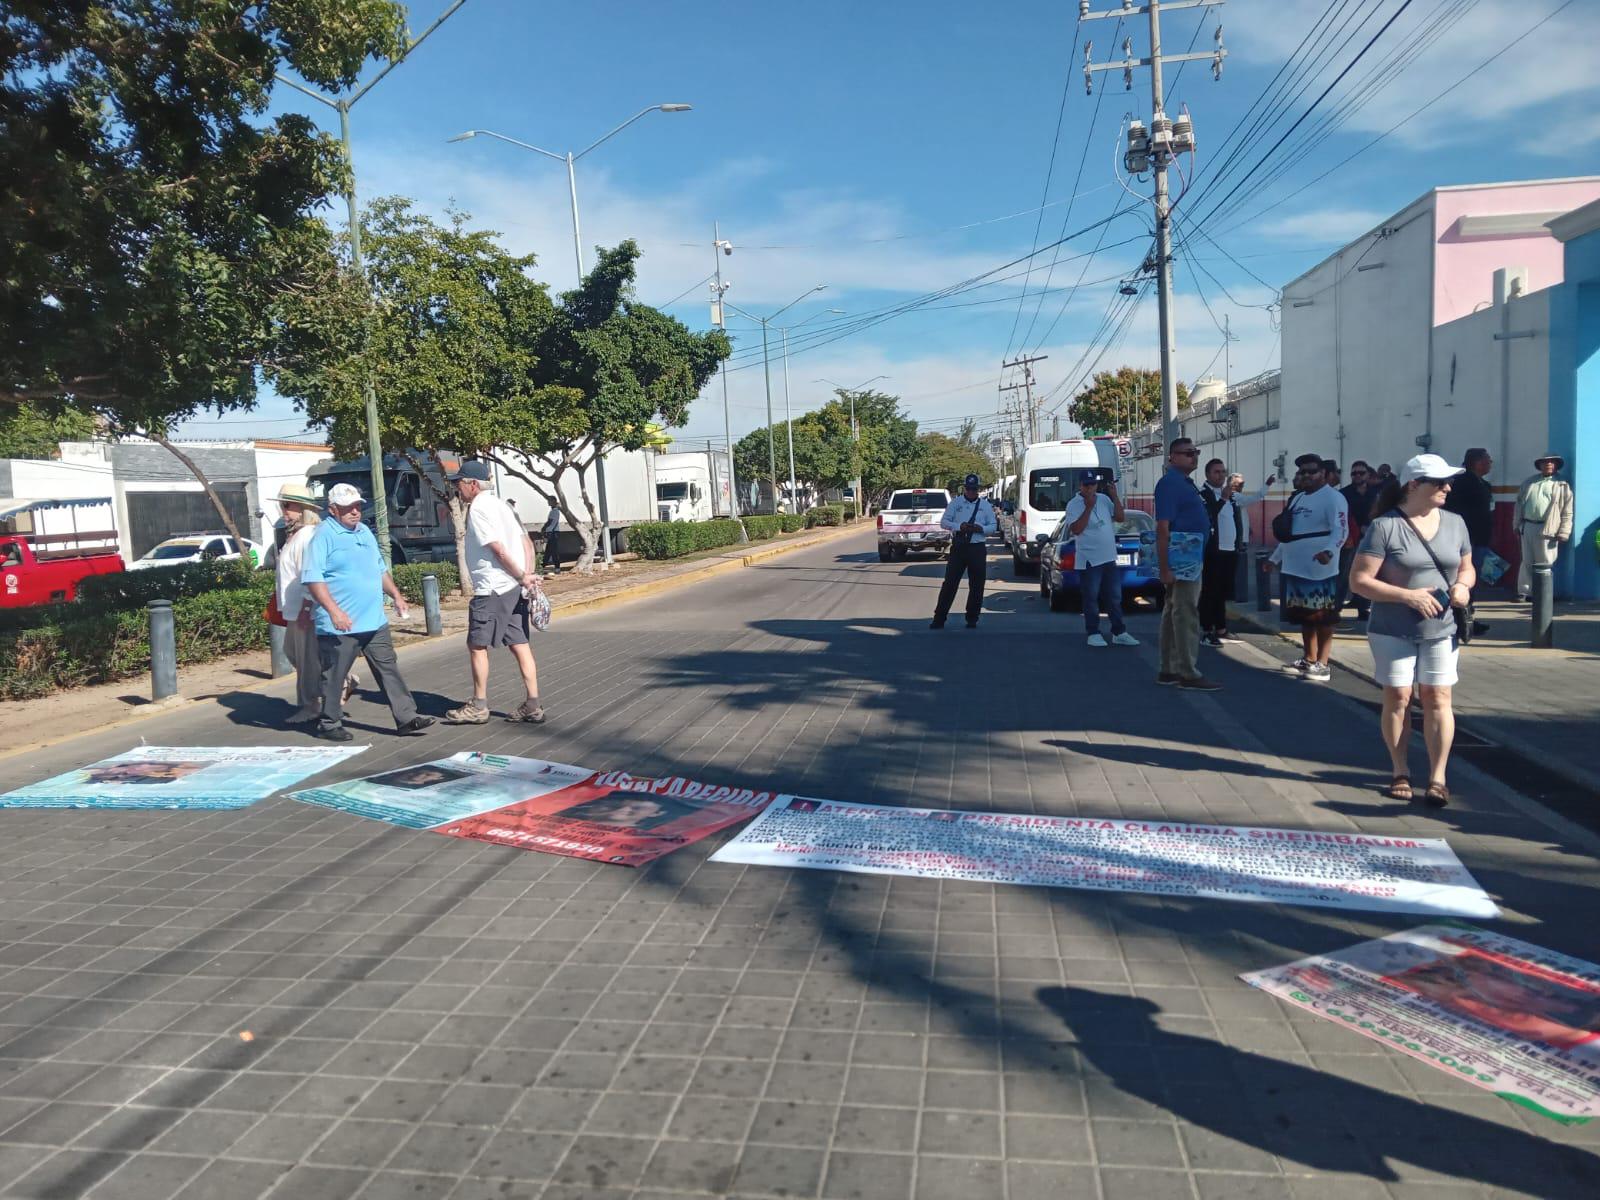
(276, 466)
(45, 479)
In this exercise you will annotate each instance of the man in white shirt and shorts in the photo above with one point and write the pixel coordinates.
(500, 558)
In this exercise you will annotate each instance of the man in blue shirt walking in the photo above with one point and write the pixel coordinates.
(1182, 526)
(345, 575)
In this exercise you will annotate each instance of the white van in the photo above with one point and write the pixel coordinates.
(1036, 497)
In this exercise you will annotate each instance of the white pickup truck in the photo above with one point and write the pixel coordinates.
(910, 521)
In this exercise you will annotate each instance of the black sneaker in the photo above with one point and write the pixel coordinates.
(334, 733)
(1167, 678)
(935, 624)
(414, 726)
(1226, 637)
(972, 624)
(1211, 639)
(1199, 683)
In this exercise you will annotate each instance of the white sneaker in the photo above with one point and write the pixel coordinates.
(1098, 639)
(1318, 672)
(1297, 667)
(1124, 639)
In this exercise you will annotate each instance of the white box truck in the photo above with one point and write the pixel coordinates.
(693, 486)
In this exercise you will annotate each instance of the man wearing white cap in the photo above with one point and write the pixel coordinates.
(345, 575)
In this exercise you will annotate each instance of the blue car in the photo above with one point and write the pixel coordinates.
(1136, 562)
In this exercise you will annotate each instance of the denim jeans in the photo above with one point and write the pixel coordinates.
(1101, 586)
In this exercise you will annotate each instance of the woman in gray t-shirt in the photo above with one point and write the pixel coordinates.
(1411, 633)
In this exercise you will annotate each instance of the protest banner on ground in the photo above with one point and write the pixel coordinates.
(181, 777)
(1336, 870)
(608, 816)
(1513, 1018)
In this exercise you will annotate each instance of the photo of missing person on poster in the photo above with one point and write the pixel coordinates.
(143, 772)
(628, 810)
(424, 776)
(1515, 997)
(803, 806)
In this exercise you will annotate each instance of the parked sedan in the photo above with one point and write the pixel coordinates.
(1136, 563)
(196, 547)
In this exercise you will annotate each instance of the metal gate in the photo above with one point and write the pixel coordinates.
(153, 517)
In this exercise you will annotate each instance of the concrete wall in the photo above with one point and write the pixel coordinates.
(1575, 406)
(276, 465)
(147, 467)
(72, 477)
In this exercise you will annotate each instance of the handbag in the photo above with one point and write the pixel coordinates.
(1283, 525)
(1464, 616)
(272, 614)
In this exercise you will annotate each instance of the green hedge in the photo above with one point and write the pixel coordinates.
(84, 644)
(408, 578)
(135, 589)
(792, 521)
(825, 514)
(762, 528)
(673, 539)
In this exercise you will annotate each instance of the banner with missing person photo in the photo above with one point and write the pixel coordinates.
(181, 777)
(555, 808)
(1502, 1014)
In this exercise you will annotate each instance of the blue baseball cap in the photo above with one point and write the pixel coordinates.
(972, 481)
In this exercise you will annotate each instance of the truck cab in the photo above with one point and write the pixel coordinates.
(910, 521)
(44, 554)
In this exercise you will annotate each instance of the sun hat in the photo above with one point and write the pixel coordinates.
(1555, 458)
(299, 493)
(1428, 466)
(343, 494)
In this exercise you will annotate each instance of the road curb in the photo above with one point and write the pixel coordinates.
(644, 588)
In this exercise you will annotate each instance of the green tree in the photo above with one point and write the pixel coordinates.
(946, 462)
(156, 227)
(609, 373)
(445, 330)
(26, 432)
(1120, 400)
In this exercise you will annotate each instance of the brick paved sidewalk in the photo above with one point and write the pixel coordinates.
(433, 1017)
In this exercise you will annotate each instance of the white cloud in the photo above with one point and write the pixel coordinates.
(1549, 75)
(1323, 225)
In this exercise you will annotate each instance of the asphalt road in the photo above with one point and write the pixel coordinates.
(432, 1017)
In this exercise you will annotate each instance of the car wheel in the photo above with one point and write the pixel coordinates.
(883, 554)
(1044, 584)
(899, 553)
(1060, 601)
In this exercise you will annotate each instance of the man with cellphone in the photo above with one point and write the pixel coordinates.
(971, 518)
(1229, 537)
(1092, 518)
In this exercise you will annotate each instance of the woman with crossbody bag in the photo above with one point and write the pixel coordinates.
(1415, 565)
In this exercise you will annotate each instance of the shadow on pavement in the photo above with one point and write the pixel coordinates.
(1303, 1115)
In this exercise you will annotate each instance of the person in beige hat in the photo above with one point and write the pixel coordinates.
(302, 513)
(1544, 519)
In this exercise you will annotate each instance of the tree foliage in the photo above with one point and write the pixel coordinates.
(1122, 399)
(155, 225)
(26, 432)
(826, 453)
(946, 462)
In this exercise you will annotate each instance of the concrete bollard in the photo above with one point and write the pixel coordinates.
(1543, 635)
(281, 666)
(1263, 581)
(163, 651)
(430, 605)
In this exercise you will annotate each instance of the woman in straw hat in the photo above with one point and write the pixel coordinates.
(302, 513)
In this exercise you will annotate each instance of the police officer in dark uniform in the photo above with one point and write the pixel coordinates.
(971, 519)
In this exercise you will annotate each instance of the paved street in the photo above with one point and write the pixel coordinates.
(433, 1017)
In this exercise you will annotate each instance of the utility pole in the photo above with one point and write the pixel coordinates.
(719, 248)
(369, 395)
(1031, 412)
(1155, 150)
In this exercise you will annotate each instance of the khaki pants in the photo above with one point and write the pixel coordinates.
(1180, 629)
(1537, 551)
(300, 646)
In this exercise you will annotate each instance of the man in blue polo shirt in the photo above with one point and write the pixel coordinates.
(1182, 526)
(345, 575)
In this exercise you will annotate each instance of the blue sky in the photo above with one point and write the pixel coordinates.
(886, 149)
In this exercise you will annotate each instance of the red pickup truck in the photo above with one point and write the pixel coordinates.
(45, 569)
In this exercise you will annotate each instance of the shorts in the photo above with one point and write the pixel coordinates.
(497, 620)
(1399, 662)
(1309, 601)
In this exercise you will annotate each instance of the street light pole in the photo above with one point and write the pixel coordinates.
(720, 320)
(369, 394)
(571, 159)
(855, 431)
(766, 368)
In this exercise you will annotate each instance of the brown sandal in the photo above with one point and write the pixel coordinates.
(1400, 788)
(1437, 795)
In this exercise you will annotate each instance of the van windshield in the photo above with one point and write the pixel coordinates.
(1050, 489)
(902, 500)
(672, 491)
